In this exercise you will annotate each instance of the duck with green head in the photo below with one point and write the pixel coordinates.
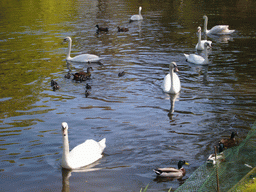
(172, 172)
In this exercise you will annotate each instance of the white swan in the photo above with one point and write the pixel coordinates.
(171, 83)
(200, 44)
(83, 154)
(88, 58)
(197, 59)
(216, 30)
(137, 17)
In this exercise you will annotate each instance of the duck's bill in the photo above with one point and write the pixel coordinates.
(186, 163)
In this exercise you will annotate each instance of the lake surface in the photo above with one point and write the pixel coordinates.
(131, 112)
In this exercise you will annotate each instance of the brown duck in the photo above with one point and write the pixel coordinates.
(123, 29)
(83, 76)
(231, 142)
(101, 28)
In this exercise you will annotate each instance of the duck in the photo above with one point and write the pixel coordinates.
(68, 75)
(218, 29)
(172, 172)
(171, 83)
(212, 160)
(200, 44)
(123, 29)
(137, 17)
(83, 76)
(87, 93)
(121, 74)
(198, 59)
(230, 142)
(54, 85)
(82, 155)
(105, 29)
(86, 58)
(87, 86)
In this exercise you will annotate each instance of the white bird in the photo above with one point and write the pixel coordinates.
(87, 58)
(198, 59)
(171, 83)
(83, 154)
(212, 160)
(216, 30)
(200, 44)
(137, 17)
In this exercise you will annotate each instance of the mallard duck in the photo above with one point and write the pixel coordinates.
(123, 29)
(172, 172)
(83, 76)
(54, 85)
(212, 160)
(101, 28)
(231, 142)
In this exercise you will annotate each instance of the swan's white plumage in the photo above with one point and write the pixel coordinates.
(218, 29)
(171, 83)
(137, 17)
(81, 155)
(86, 58)
(200, 43)
(198, 59)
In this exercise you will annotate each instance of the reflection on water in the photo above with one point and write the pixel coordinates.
(144, 127)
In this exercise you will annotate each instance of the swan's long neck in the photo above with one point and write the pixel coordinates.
(69, 49)
(205, 24)
(171, 74)
(139, 12)
(65, 153)
(199, 37)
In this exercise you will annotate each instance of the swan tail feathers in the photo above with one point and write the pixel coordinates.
(102, 143)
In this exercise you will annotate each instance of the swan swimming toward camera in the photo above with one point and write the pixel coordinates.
(218, 29)
(81, 155)
(87, 58)
(171, 83)
(137, 17)
(198, 59)
(200, 44)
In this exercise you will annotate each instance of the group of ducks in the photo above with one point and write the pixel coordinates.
(91, 151)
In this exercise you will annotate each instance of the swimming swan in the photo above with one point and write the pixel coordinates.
(137, 17)
(200, 44)
(198, 59)
(216, 30)
(83, 154)
(171, 83)
(88, 58)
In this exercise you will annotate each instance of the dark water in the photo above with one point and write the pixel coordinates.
(131, 111)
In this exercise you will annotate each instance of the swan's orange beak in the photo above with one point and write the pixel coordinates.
(176, 69)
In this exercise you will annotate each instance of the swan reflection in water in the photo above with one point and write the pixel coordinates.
(173, 98)
(66, 174)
